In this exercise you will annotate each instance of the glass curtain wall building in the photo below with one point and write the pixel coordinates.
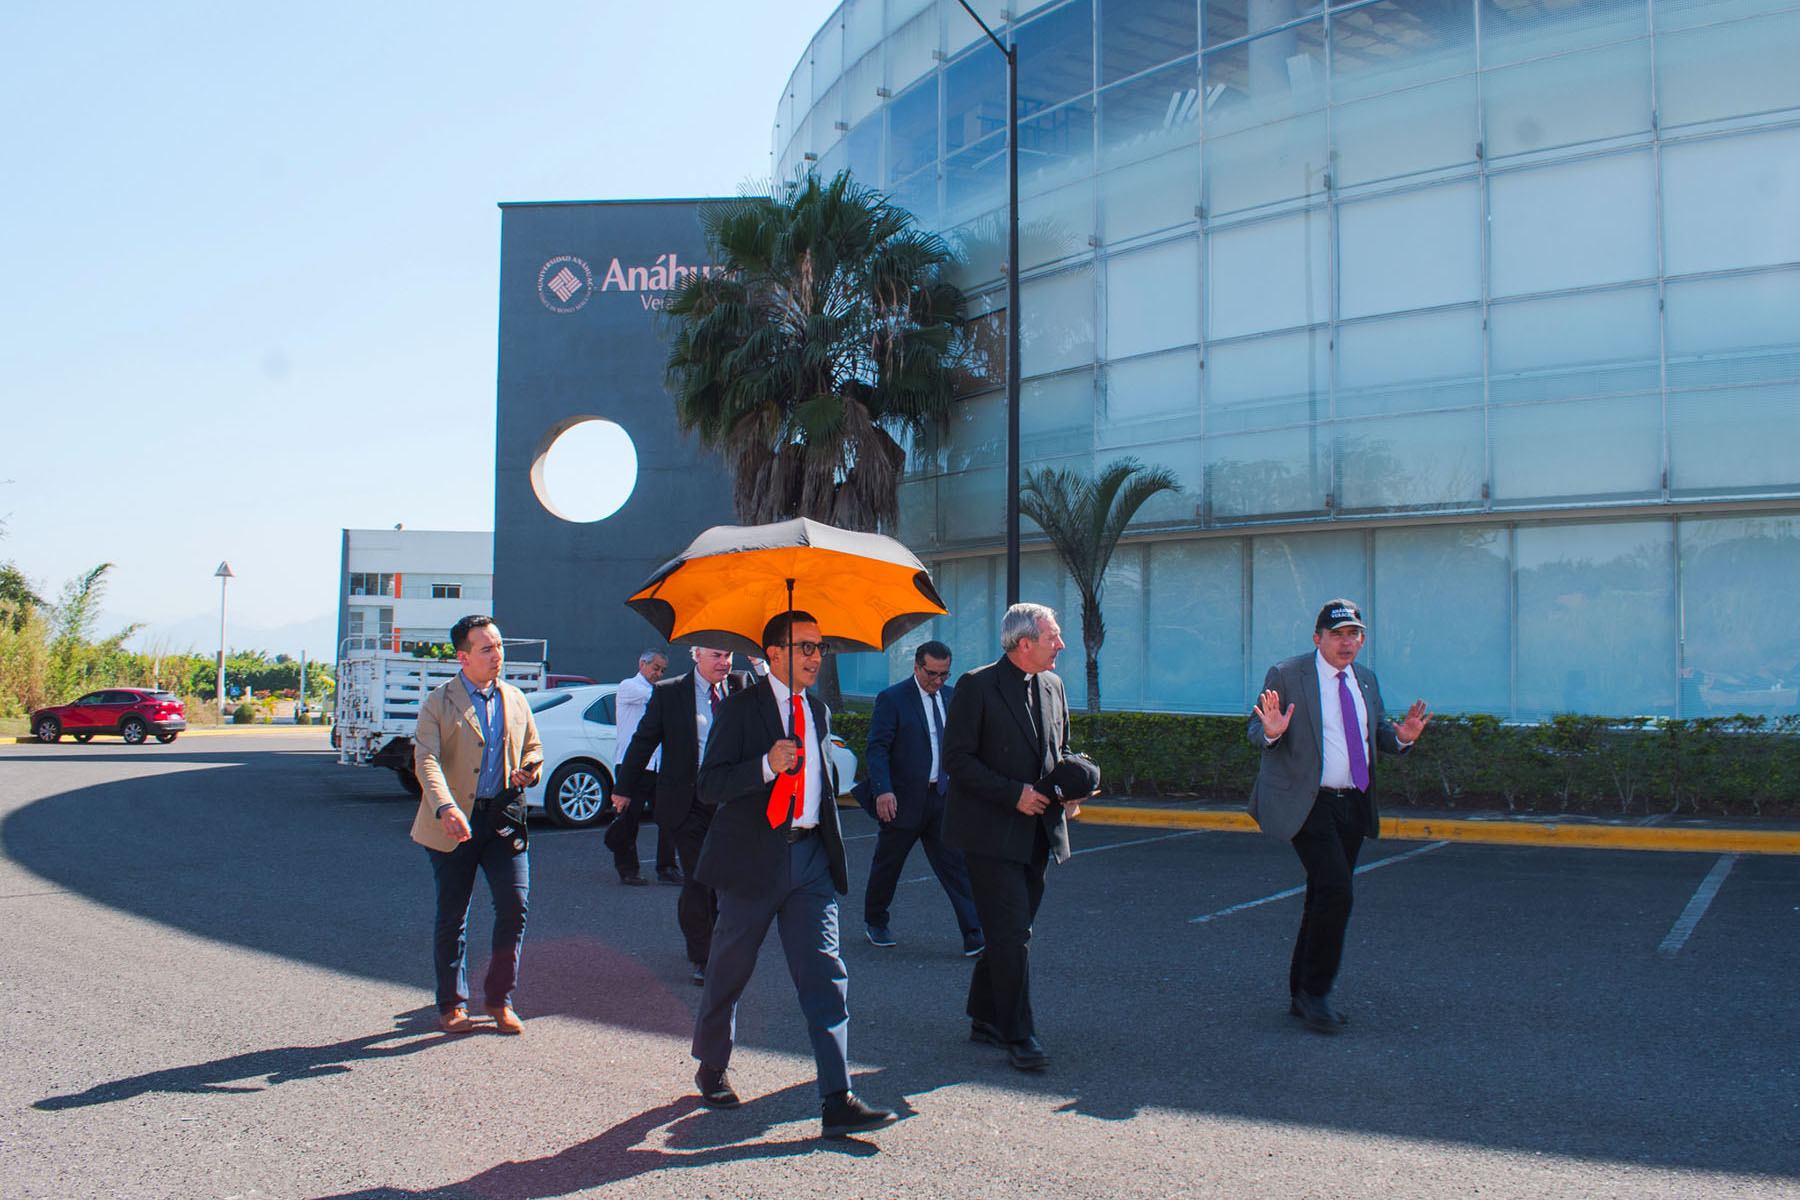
(1485, 313)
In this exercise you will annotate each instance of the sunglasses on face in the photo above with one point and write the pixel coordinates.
(930, 674)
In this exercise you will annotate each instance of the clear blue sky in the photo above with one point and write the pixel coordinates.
(249, 257)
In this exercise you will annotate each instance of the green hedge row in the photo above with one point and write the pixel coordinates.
(1732, 766)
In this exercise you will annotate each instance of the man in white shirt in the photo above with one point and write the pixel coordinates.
(622, 835)
(775, 855)
(1319, 724)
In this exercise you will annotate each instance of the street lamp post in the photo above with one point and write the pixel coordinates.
(224, 574)
(1012, 305)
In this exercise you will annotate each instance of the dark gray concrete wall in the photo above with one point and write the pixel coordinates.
(597, 351)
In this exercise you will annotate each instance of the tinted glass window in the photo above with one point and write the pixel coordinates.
(545, 701)
(93, 698)
(163, 696)
(604, 711)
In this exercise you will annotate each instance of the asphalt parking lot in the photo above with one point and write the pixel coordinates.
(217, 985)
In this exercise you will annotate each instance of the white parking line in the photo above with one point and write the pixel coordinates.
(1393, 858)
(1161, 837)
(1696, 907)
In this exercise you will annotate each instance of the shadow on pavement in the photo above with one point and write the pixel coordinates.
(1555, 1031)
(619, 1153)
(283, 1065)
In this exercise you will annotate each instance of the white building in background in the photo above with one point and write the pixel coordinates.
(402, 589)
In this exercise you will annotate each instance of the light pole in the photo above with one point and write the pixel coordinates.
(224, 574)
(1012, 305)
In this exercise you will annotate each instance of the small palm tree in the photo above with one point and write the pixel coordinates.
(1084, 519)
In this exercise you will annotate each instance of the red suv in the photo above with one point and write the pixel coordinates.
(132, 713)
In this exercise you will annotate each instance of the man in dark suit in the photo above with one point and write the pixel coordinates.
(629, 702)
(679, 718)
(906, 787)
(1319, 724)
(1008, 726)
(775, 855)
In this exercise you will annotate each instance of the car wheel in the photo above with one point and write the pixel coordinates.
(165, 738)
(49, 729)
(134, 731)
(83, 738)
(409, 781)
(579, 795)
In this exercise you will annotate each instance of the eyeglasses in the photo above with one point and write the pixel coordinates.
(930, 674)
(809, 649)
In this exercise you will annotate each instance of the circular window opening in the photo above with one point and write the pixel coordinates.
(585, 469)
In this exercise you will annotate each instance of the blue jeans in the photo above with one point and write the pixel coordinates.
(509, 879)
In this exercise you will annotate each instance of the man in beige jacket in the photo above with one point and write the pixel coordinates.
(475, 739)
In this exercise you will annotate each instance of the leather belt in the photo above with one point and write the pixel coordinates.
(1340, 794)
(799, 833)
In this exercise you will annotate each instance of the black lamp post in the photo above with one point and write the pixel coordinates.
(1012, 306)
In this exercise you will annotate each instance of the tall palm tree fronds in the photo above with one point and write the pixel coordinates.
(830, 335)
(1084, 520)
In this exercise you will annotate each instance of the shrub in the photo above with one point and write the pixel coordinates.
(1576, 764)
(243, 714)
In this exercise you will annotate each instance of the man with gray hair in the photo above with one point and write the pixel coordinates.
(1007, 729)
(632, 698)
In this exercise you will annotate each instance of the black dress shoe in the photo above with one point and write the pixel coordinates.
(879, 935)
(634, 880)
(699, 975)
(670, 875)
(845, 1114)
(987, 1035)
(973, 944)
(1027, 1054)
(1294, 1011)
(715, 1087)
(1317, 1012)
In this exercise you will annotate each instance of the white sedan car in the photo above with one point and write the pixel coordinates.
(577, 728)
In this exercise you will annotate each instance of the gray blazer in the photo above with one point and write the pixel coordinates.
(1288, 781)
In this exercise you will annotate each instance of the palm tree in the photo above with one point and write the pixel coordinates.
(1084, 519)
(830, 335)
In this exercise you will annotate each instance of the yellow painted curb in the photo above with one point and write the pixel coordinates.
(210, 731)
(1495, 833)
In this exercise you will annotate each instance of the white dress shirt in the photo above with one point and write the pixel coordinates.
(808, 816)
(703, 712)
(933, 701)
(632, 698)
(1336, 751)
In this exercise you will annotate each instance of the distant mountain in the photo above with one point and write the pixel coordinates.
(317, 636)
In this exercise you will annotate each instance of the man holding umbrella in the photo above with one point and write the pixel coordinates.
(775, 855)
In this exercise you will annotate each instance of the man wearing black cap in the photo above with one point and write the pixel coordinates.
(1316, 788)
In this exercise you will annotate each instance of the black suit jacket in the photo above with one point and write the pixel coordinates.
(899, 752)
(742, 853)
(668, 722)
(991, 756)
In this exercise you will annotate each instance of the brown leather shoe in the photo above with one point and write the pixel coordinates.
(455, 1020)
(505, 1019)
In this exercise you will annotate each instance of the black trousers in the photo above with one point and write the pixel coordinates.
(1327, 844)
(1007, 895)
(622, 839)
(697, 907)
(893, 844)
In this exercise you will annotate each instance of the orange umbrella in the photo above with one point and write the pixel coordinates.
(865, 589)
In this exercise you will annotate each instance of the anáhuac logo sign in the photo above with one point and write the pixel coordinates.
(649, 283)
(565, 283)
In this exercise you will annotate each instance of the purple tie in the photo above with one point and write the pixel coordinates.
(1353, 737)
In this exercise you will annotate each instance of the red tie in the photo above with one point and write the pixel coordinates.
(789, 794)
